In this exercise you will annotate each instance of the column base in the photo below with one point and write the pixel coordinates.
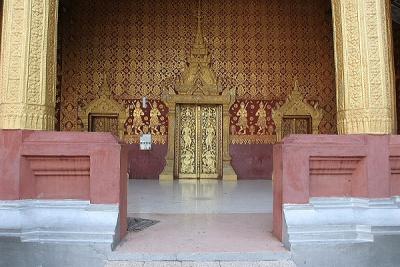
(168, 173)
(228, 173)
(26, 116)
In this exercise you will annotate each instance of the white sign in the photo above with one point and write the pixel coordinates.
(145, 142)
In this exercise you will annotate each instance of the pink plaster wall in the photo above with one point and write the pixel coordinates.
(334, 166)
(64, 165)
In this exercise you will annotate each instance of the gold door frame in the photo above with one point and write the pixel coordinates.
(172, 100)
(203, 157)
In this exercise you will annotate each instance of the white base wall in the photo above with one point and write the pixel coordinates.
(60, 221)
(343, 220)
(354, 232)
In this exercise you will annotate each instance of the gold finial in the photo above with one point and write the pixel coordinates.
(198, 11)
(199, 35)
(296, 84)
(104, 88)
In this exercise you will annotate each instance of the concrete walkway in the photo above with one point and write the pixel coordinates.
(201, 223)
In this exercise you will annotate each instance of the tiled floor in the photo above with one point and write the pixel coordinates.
(204, 216)
(199, 196)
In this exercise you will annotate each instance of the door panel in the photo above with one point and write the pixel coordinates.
(209, 148)
(199, 141)
(187, 142)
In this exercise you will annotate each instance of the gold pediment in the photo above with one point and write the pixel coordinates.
(104, 105)
(295, 105)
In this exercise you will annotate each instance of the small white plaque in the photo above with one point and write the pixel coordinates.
(145, 142)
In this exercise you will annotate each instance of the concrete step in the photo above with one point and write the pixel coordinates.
(331, 233)
(284, 263)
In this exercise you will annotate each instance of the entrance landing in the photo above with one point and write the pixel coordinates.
(202, 221)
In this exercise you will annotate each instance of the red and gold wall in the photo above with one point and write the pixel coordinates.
(258, 47)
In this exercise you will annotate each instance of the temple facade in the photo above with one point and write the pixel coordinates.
(222, 89)
(344, 68)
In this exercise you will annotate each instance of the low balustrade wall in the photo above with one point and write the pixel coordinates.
(44, 166)
(318, 166)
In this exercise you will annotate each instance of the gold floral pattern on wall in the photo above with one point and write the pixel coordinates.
(258, 47)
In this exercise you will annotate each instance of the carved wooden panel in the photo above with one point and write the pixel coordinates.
(296, 125)
(199, 141)
(104, 123)
(187, 142)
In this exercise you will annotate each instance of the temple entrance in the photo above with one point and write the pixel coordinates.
(199, 141)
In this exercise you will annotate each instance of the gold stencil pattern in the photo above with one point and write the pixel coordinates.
(258, 47)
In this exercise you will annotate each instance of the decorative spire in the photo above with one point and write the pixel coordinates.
(296, 85)
(296, 92)
(199, 33)
(199, 47)
(104, 88)
(198, 77)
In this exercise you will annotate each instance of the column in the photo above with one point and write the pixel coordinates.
(364, 67)
(168, 172)
(228, 173)
(28, 64)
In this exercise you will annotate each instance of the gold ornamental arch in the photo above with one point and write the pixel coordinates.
(296, 107)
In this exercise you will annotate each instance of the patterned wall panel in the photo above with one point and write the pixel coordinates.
(259, 47)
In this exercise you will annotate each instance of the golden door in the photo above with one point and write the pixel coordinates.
(199, 142)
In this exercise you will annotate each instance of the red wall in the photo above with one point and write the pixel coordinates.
(249, 161)
(146, 164)
(252, 161)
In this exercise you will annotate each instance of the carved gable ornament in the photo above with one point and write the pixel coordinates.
(104, 105)
(295, 105)
(198, 83)
(198, 77)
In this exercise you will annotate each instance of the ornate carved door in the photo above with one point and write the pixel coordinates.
(199, 142)
(296, 125)
(103, 123)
